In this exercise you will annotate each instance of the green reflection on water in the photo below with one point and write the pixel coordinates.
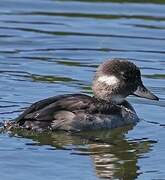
(75, 63)
(122, 1)
(86, 89)
(77, 15)
(51, 79)
(155, 76)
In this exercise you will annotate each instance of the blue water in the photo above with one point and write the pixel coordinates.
(50, 47)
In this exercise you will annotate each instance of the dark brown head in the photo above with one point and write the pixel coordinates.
(116, 79)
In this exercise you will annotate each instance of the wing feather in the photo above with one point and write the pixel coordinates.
(44, 110)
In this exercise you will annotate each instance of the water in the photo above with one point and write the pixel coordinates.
(50, 47)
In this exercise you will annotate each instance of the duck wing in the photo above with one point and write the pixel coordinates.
(44, 110)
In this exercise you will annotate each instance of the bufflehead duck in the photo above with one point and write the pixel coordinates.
(114, 80)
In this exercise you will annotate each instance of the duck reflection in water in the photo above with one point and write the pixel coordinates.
(113, 156)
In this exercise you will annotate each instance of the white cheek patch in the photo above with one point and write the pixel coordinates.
(109, 80)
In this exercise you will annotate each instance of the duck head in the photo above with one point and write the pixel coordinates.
(116, 79)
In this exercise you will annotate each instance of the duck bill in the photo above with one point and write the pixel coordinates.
(143, 92)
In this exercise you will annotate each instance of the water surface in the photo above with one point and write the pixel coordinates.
(50, 47)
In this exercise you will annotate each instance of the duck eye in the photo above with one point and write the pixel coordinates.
(125, 75)
(137, 76)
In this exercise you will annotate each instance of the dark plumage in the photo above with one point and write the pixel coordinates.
(65, 109)
(114, 81)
